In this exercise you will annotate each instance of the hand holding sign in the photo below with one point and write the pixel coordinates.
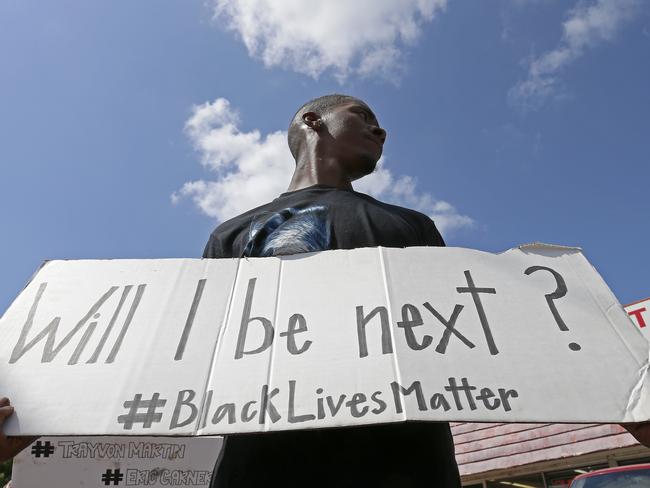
(10, 446)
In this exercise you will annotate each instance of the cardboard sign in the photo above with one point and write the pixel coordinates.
(116, 461)
(639, 312)
(375, 335)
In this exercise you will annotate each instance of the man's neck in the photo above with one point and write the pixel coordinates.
(321, 172)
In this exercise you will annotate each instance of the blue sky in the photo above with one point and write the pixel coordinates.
(128, 129)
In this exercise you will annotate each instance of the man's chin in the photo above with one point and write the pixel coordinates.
(364, 170)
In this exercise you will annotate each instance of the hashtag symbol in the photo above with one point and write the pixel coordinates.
(147, 418)
(111, 476)
(42, 449)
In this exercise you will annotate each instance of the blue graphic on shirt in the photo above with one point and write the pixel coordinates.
(289, 231)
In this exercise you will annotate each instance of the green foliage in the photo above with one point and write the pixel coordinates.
(5, 472)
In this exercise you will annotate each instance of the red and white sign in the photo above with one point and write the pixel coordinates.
(639, 312)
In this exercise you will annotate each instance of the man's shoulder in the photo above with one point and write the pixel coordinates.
(420, 222)
(391, 207)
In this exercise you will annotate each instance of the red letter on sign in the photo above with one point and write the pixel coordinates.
(637, 314)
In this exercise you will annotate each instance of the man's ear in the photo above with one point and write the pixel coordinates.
(312, 120)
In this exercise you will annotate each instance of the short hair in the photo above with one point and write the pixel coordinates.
(320, 105)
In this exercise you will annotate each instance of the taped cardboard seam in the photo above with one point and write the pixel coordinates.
(276, 312)
(389, 306)
(216, 350)
(634, 405)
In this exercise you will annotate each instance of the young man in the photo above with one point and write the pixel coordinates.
(335, 140)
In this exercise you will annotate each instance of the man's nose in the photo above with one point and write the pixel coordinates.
(379, 132)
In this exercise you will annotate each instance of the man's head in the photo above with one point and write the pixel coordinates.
(337, 128)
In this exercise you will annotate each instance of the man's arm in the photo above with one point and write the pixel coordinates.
(214, 248)
(640, 431)
(10, 446)
(431, 236)
(210, 250)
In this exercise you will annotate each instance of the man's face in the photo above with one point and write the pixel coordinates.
(356, 137)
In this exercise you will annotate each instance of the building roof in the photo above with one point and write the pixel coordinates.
(484, 447)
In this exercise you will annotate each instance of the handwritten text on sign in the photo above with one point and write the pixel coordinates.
(334, 338)
(116, 461)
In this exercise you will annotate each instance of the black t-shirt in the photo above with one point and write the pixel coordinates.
(387, 455)
(318, 218)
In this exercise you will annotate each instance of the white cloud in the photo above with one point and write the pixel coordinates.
(402, 190)
(251, 169)
(363, 37)
(587, 25)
